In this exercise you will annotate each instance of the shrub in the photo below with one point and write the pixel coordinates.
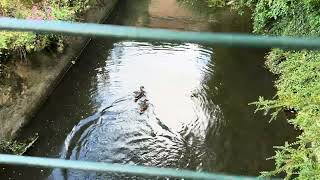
(25, 42)
(298, 84)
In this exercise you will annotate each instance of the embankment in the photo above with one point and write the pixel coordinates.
(43, 73)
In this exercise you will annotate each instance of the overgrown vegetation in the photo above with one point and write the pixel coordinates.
(298, 81)
(11, 147)
(14, 147)
(21, 42)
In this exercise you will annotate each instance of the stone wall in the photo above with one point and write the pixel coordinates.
(42, 73)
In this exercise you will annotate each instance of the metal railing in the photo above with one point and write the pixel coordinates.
(105, 31)
(115, 168)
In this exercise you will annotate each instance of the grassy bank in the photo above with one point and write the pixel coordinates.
(298, 79)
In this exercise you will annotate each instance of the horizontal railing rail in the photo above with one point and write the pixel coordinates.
(115, 168)
(138, 33)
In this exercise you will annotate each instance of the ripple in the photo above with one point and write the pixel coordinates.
(171, 133)
(121, 137)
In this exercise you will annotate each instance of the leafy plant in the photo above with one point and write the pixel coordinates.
(21, 42)
(14, 147)
(298, 81)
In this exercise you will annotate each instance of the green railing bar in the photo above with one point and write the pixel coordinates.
(217, 39)
(116, 168)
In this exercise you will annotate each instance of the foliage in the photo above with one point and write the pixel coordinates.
(298, 88)
(22, 42)
(235, 4)
(209, 3)
(298, 81)
(14, 147)
(298, 84)
(10, 147)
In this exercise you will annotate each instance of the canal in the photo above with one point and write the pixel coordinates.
(198, 115)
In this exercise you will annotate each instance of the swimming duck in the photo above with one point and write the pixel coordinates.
(143, 105)
(139, 94)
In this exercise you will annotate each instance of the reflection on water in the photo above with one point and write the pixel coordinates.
(198, 117)
(169, 88)
(174, 123)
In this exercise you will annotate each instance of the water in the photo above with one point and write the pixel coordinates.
(198, 116)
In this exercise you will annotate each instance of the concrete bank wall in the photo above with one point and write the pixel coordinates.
(44, 72)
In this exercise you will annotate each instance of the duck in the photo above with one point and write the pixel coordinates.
(144, 104)
(139, 94)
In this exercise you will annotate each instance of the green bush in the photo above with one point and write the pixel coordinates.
(15, 147)
(23, 42)
(298, 84)
(11, 147)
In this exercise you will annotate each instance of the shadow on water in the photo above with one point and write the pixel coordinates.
(198, 117)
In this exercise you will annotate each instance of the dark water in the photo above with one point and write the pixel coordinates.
(198, 117)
